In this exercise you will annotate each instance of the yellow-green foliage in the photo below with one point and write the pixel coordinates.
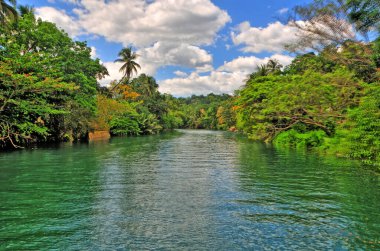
(361, 131)
(319, 101)
(306, 140)
(272, 104)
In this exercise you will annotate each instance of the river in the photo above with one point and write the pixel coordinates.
(185, 190)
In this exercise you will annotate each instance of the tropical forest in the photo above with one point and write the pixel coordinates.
(288, 160)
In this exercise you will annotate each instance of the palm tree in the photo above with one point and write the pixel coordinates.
(274, 66)
(145, 85)
(128, 57)
(262, 70)
(7, 11)
(26, 10)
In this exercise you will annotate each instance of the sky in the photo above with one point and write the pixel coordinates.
(189, 46)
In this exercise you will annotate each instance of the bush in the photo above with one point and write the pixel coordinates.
(172, 120)
(293, 138)
(364, 126)
(124, 126)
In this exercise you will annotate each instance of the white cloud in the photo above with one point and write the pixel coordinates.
(272, 38)
(93, 52)
(180, 74)
(165, 32)
(171, 33)
(113, 71)
(142, 24)
(204, 68)
(151, 58)
(216, 82)
(61, 19)
(164, 54)
(77, 2)
(227, 78)
(283, 11)
(248, 65)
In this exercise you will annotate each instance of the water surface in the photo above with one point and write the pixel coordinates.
(187, 190)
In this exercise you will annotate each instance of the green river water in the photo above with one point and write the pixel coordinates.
(185, 190)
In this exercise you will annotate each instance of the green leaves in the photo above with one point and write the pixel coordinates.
(300, 140)
(319, 101)
(365, 14)
(25, 100)
(7, 11)
(364, 127)
(125, 126)
(47, 83)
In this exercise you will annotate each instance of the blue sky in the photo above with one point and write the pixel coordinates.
(189, 46)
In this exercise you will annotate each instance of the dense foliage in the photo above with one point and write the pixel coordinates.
(48, 83)
(328, 100)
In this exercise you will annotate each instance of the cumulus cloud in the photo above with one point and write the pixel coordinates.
(248, 65)
(142, 23)
(272, 38)
(319, 32)
(163, 54)
(61, 19)
(172, 33)
(152, 58)
(180, 74)
(113, 71)
(165, 32)
(204, 68)
(225, 79)
(93, 52)
(72, 1)
(216, 82)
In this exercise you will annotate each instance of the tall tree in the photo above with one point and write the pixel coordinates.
(26, 10)
(274, 65)
(7, 11)
(320, 23)
(333, 22)
(365, 14)
(128, 57)
(145, 85)
(47, 84)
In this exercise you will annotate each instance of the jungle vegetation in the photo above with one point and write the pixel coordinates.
(327, 99)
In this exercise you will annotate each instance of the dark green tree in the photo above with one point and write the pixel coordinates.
(35, 53)
(25, 10)
(145, 85)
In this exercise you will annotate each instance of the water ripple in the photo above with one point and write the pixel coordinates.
(187, 190)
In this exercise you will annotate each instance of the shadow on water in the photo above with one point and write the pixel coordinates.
(187, 190)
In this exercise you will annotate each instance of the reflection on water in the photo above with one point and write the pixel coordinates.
(191, 190)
